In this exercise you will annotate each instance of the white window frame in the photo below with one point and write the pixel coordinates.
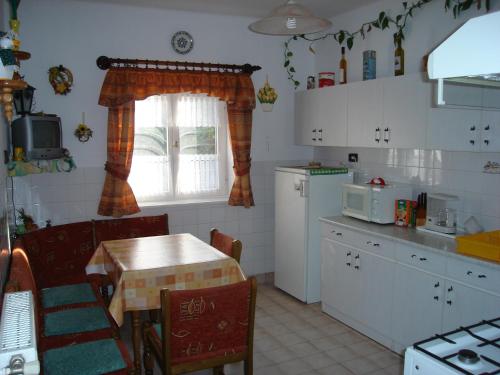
(173, 152)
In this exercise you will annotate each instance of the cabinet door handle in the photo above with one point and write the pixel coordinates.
(472, 128)
(450, 289)
(314, 131)
(472, 141)
(333, 231)
(486, 142)
(348, 254)
(356, 257)
(423, 259)
(449, 302)
(376, 244)
(469, 273)
(481, 276)
(413, 256)
(320, 131)
(368, 242)
(356, 267)
(348, 264)
(314, 139)
(436, 285)
(377, 135)
(387, 135)
(487, 127)
(320, 139)
(339, 233)
(436, 298)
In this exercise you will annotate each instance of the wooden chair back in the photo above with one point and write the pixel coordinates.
(205, 328)
(225, 243)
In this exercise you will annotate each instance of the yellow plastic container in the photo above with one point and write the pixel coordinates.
(483, 245)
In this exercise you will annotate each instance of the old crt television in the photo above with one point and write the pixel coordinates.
(40, 137)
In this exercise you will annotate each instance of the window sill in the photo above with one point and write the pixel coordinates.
(185, 202)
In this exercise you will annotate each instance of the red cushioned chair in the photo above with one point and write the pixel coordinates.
(203, 328)
(227, 244)
(132, 227)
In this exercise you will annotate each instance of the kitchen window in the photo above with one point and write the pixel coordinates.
(180, 148)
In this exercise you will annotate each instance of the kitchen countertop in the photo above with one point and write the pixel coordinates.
(428, 241)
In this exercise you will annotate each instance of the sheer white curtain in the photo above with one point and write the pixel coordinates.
(180, 147)
(150, 175)
(201, 121)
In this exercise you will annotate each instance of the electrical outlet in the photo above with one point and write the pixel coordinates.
(353, 158)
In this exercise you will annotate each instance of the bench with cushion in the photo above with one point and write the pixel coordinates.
(71, 336)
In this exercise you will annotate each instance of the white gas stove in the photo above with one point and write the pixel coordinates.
(468, 350)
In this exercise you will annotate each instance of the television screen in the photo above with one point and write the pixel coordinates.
(46, 134)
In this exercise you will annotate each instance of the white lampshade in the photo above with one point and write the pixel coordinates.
(290, 19)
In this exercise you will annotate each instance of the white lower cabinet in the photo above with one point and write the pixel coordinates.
(417, 307)
(465, 305)
(359, 286)
(401, 297)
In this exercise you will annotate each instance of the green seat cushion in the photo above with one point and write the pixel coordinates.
(79, 320)
(90, 358)
(67, 294)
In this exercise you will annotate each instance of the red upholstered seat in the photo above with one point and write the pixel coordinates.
(225, 243)
(59, 254)
(21, 279)
(203, 328)
(132, 227)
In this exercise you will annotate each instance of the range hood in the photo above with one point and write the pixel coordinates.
(470, 55)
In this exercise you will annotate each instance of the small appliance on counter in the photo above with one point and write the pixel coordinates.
(467, 350)
(441, 214)
(373, 201)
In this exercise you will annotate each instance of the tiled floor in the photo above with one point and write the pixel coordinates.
(294, 338)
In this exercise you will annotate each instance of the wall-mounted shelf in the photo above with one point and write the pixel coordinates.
(24, 168)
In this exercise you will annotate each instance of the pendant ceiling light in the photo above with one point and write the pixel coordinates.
(290, 19)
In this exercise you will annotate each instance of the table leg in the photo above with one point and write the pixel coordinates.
(136, 340)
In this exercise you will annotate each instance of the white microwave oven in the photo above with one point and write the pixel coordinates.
(373, 202)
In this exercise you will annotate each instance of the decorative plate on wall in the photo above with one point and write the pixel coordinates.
(182, 42)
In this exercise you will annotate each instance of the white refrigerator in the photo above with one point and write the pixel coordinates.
(302, 196)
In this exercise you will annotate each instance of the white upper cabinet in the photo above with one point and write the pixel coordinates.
(397, 112)
(388, 112)
(406, 103)
(454, 129)
(364, 114)
(321, 116)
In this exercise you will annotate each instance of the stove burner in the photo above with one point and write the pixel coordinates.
(467, 356)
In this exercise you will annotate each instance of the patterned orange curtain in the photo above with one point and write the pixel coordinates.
(123, 86)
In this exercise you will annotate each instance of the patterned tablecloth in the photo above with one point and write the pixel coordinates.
(141, 267)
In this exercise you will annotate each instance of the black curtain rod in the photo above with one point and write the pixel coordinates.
(104, 63)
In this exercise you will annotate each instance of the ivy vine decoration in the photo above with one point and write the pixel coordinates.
(61, 79)
(382, 22)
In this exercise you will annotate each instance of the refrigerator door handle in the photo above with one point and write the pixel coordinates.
(304, 188)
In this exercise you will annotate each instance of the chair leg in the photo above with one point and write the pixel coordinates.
(148, 358)
(248, 366)
(219, 370)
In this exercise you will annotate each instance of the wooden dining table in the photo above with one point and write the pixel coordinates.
(140, 267)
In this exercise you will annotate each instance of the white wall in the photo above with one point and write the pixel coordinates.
(458, 173)
(74, 34)
(428, 27)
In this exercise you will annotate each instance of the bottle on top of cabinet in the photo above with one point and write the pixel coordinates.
(399, 58)
(343, 68)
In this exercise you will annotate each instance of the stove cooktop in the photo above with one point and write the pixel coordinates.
(468, 350)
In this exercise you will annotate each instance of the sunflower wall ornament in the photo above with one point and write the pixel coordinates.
(82, 131)
(267, 95)
(61, 79)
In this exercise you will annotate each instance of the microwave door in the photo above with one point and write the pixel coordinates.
(357, 202)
